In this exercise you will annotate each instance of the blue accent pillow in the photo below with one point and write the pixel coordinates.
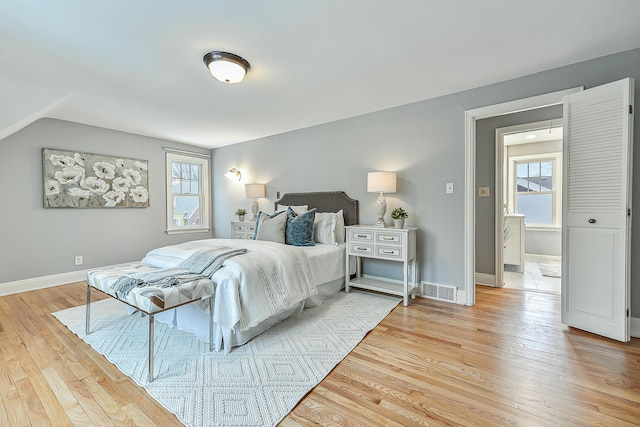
(299, 231)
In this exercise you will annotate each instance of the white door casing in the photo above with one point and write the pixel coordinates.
(596, 231)
(471, 116)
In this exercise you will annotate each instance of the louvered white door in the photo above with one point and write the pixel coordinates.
(596, 221)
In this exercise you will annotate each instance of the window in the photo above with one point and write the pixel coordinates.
(187, 194)
(534, 188)
(536, 183)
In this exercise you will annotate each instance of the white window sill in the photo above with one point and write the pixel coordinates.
(542, 228)
(187, 230)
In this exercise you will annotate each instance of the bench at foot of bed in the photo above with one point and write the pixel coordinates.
(151, 300)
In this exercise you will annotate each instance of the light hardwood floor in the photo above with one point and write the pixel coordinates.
(506, 361)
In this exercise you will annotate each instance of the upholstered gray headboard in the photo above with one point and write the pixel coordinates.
(325, 201)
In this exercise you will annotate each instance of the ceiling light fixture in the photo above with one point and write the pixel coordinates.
(226, 67)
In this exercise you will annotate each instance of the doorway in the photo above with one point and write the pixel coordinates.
(471, 184)
(528, 200)
(596, 234)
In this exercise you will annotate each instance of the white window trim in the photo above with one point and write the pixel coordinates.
(550, 228)
(556, 158)
(204, 191)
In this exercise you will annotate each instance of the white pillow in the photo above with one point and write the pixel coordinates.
(297, 209)
(324, 228)
(271, 227)
(340, 232)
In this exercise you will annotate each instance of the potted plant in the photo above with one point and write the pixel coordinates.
(399, 215)
(241, 213)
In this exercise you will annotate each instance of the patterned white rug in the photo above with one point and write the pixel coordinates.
(257, 384)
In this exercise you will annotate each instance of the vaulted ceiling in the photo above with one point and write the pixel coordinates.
(136, 66)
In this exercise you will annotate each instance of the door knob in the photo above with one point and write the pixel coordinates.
(592, 221)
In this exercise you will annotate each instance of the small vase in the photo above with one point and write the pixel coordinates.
(241, 218)
(398, 223)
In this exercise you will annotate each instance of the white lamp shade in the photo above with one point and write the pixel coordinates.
(254, 190)
(381, 182)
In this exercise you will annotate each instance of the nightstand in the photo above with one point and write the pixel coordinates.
(242, 230)
(390, 244)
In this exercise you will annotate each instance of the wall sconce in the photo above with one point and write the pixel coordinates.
(234, 174)
(381, 182)
(254, 191)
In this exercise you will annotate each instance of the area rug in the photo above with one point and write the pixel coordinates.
(550, 269)
(257, 384)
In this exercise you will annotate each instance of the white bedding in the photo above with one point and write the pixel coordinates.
(327, 261)
(240, 311)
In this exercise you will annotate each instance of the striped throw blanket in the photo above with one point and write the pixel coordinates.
(200, 265)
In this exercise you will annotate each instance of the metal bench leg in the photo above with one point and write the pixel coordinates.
(88, 315)
(151, 329)
(210, 323)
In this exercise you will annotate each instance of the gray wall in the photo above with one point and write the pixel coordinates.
(338, 156)
(424, 142)
(37, 242)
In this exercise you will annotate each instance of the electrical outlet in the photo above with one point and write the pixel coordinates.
(449, 187)
(78, 259)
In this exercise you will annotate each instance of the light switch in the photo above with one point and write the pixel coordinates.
(449, 187)
(483, 191)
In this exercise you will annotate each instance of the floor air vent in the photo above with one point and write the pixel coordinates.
(439, 292)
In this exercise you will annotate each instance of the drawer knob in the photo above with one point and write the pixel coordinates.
(387, 237)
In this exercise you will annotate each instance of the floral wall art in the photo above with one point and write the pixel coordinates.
(81, 180)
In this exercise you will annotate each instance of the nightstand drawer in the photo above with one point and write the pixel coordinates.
(360, 249)
(361, 236)
(389, 252)
(389, 238)
(242, 230)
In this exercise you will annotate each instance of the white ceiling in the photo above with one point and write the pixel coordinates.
(537, 135)
(136, 66)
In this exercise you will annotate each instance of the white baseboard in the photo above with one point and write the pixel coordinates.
(635, 327)
(485, 279)
(386, 279)
(35, 283)
(543, 257)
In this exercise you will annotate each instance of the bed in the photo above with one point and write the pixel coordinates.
(236, 303)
